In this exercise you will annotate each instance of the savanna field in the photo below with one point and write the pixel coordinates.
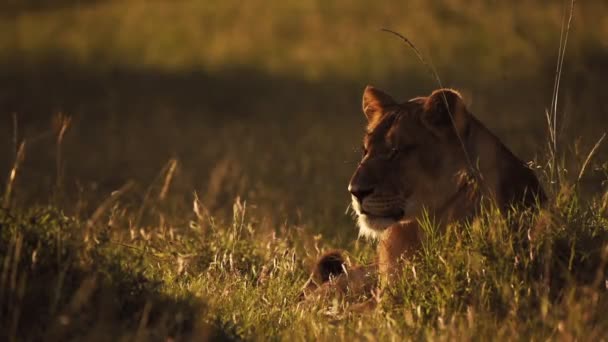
(172, 169)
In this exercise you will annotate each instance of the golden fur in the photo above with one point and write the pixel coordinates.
(427, 155)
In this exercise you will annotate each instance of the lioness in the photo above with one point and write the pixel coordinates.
(427, 154)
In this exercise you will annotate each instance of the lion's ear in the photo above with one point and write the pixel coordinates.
(444, 110)
(375, 102)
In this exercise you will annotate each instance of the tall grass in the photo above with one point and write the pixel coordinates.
(201, 278)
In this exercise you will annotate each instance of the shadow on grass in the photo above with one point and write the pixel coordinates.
(126, 124)
(65, 288)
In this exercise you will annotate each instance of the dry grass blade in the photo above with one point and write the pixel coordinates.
(590, 155)
(172, 167)
(169, 171)
(62, 124)
(551, 130)
(552, 115)
(13, 175)
(199, 209)
(473, 170)
(107, 203)
(418, 54)
(15, 134)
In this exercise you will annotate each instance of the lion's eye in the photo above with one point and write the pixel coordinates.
(394, 152)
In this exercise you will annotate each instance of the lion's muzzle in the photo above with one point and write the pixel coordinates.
(379, 206)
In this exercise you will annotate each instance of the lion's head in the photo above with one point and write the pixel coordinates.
(413, 155)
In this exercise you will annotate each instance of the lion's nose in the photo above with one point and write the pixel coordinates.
(360, 192)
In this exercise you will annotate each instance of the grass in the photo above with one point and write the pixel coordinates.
(309, 39)
(130, 140)
(62, 279)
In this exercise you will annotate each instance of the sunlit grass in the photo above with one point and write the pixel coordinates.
(530, 277)
(310, 39)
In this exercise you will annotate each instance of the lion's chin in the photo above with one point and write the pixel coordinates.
(373, 226)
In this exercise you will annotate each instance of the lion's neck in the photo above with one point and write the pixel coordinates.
(476, 180)
(499, 176)
(463, 203)
(399, 241)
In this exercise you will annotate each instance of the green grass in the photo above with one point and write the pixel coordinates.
(526, 277)
(306, 38)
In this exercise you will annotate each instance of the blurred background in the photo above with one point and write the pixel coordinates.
(261, 99)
